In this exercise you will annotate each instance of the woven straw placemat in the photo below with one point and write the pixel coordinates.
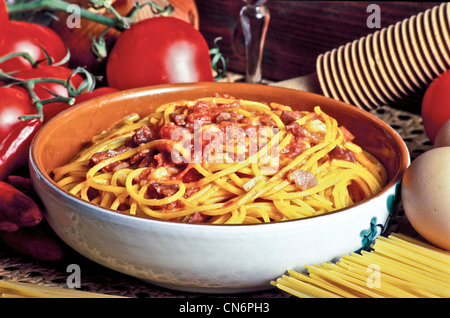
(95, 278)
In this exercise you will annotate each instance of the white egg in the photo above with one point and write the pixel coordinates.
(426, 196)
(443, 135)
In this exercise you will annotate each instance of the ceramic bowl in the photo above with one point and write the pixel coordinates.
(199, 257)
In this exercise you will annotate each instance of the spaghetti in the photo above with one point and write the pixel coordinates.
(398, 266)
(15, 289)
(224, 160)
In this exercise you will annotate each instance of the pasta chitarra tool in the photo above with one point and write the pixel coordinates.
(386, 66)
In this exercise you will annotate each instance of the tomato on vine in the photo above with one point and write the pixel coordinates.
(159, 50)
(31, 98)
(38, 41)
(57, 76)
(14, 103)
(4, 21)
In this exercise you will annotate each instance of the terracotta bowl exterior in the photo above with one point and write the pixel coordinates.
(199, 257)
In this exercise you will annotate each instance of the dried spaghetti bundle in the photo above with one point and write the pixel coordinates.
(397, 267)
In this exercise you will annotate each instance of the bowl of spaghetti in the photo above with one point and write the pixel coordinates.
(216, 187)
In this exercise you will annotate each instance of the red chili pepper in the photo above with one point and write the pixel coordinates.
(33, 242)
(14, 148)
(17, 209)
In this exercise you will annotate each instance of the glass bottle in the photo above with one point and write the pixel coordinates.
(254, 18)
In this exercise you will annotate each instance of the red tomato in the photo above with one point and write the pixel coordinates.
(95, 93)
(4, 21)
(436, 105)
(52, 109)
(13, 104)
(159, 50)
(56, 72)
(31, 38)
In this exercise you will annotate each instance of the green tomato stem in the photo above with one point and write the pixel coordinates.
(64, 6)
(120, 23)
(29, 85)
(20, 54)
(218, 62)
(36, 101)
(46, 80)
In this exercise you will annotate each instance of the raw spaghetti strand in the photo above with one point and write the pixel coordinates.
(223, 160)
(408, 268)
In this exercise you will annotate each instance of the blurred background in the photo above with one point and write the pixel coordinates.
(299, 31)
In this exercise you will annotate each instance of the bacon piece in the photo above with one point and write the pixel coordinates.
(190, 191)
(197, 217)
(223, 116)
(143, 158)
(162, 190)
(231, 116)
(304, 180)
(165, 132)
(342, 154)
(294, 148)
(178, 119)
(202, 112)
(113, 167)
(301, 132)
(143, 135)
(162, 159)
(348, 136)
(289, 116)
(266, 120)
(100, 156)
(139, 156)
(168, 155)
